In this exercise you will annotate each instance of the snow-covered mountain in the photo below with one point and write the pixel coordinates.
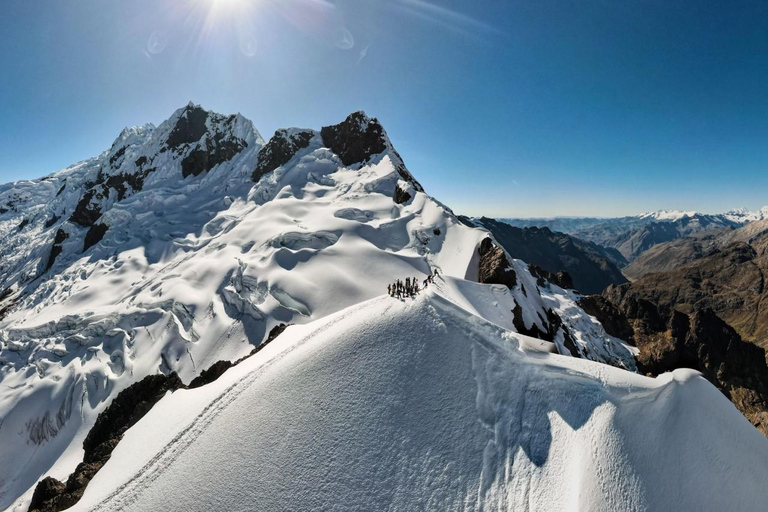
(188, 243)
(425, 405)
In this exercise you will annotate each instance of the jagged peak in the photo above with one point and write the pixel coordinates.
(192, 122)
(359, 138)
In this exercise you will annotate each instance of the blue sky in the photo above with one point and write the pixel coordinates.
(502, 108)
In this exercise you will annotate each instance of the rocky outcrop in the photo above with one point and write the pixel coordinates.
(560, 278)
(132, 404)
(401, 196)
(219, 367)
(589, 265)
(214, 152)
(494, 267)
(206, 139)
(358, 138)
(57, 247)
(669, 338)
(190, 127)
(612, 319)
(94, 235)
(280, 149)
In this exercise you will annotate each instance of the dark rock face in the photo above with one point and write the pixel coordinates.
(560, 278)
(56, 249)
(93, 202)
(24, 223)
(87, 210)
(126, 409)
(132, 404)
(94, 235)
(356, 139)
(118, 155)
(48, 496)
(215, 152)
(494, 265)
(614, 322)
(669, 338)
(401, 196)
(280, 149)
(53, 220)
(189, 128)
(589, 265)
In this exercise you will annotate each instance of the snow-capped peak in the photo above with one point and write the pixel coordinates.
(668, 215)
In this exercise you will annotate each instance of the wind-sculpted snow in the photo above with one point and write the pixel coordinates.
(422, 405)
(195, 268)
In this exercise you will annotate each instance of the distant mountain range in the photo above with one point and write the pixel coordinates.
(633, 235)
(591, 267)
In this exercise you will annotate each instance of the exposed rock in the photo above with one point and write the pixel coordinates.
(560, 278)
(280, 149)
(700, 339)
(614, 321)
(94, 202)
(216, 151)
(53, 220)
(589, 265)
(189, 128)
(132, 404)
(56, 249)
(87, 210)
(94, 235)
(401, 196)
(47, 495)
(494, 266)
(126, 409)
(117, 156)
(356, 139)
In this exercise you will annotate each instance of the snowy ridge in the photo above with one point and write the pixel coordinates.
(436, 409)
(165, 255)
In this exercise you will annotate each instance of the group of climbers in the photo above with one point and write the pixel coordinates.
(409, 287)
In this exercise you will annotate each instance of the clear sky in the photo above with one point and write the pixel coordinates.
(499, 107)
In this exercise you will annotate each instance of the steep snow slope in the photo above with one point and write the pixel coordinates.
(185, 244)
(420, 404)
